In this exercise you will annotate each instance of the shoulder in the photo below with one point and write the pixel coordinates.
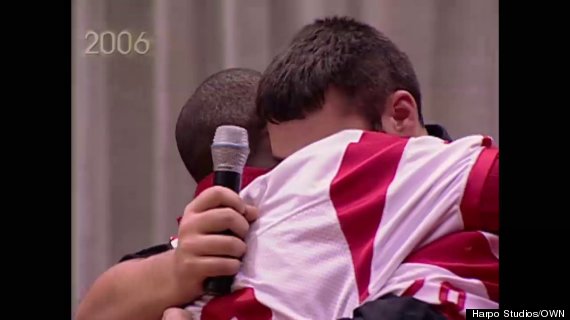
(435, 144)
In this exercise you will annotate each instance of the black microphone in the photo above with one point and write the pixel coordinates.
(230, 150)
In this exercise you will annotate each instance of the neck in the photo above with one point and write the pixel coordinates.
(261, 159)
(422, 132)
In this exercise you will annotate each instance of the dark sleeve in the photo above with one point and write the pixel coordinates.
(145, 253)
(396, 308)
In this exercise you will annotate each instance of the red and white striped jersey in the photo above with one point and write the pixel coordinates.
(341, 221)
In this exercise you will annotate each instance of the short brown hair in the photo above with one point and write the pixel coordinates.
(341, 52)
(225, 98)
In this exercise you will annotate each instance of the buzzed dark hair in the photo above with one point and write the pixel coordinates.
(335, 52)
(224, 98)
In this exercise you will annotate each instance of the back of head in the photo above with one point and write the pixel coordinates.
(334, 52)
(224, 98)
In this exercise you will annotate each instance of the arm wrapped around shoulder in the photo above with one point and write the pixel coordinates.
(480, 203)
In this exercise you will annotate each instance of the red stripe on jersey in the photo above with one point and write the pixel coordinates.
(480, 203)
(466, 254)
(240, 304)
(358, 193)
(489, 205)
(414, 288)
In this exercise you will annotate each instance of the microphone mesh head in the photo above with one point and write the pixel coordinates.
(230, 149)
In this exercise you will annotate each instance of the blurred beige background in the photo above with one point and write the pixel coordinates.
(129, 184)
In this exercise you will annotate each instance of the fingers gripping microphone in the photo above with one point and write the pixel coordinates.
(230, 150)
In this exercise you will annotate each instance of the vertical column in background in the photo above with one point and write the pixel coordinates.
(176, 70)
(411, 25)
(246, 33)
(130, 106)
(466, 60)
(90, 152)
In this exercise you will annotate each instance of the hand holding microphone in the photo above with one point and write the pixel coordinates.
(207, 256)
(230, 150)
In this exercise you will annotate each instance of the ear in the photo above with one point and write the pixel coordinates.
(401, 116)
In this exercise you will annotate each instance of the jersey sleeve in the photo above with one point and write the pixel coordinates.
(480, 203)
